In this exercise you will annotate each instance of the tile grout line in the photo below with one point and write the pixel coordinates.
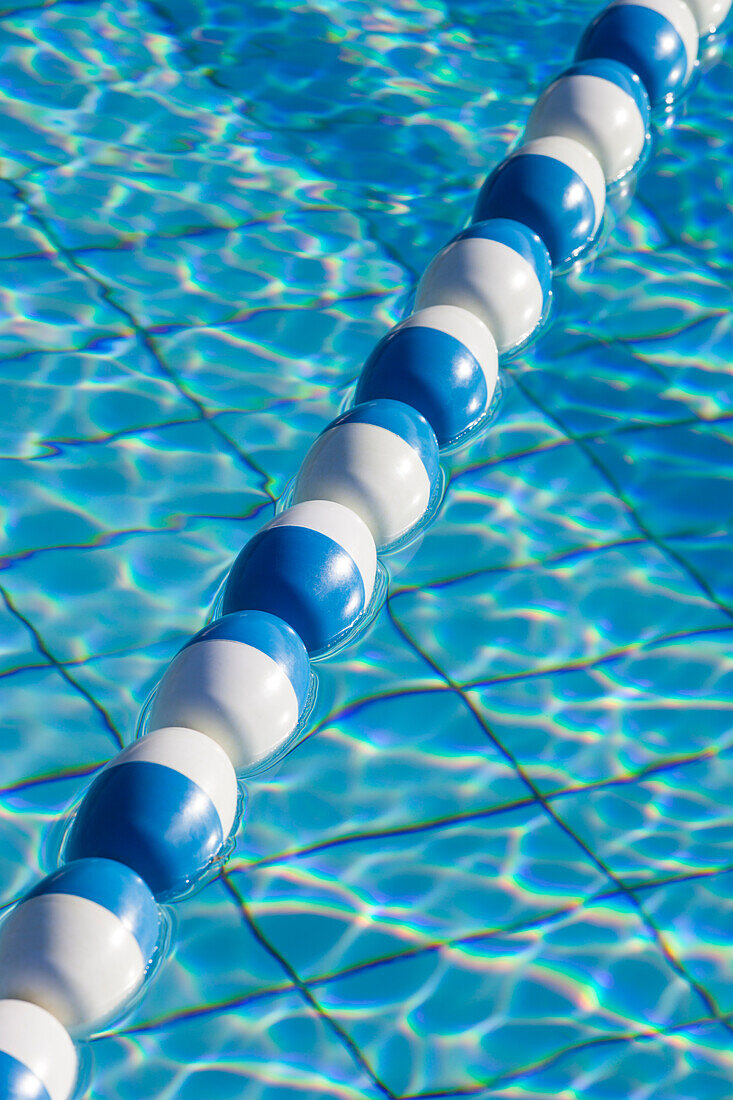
(303, 989)
(675, 964)
(145, 338)
(657, 541)
(62, 671)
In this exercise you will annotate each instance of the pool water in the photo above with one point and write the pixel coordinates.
(499, 864)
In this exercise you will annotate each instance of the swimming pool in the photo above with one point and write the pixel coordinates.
(500, 865)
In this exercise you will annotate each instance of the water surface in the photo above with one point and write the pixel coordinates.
(500, 864)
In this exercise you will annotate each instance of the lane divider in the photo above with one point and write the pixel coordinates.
(157, 820)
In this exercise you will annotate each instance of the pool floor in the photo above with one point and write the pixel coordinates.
(499, 864)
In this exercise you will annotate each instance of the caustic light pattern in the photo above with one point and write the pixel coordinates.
(499, 865)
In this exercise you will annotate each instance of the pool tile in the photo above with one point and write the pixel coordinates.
(465, 1016)
(675, 822)
(691, 1063)
(406, 889)
(484, 625)
(278, 1048)
(619, 716)
(694, 916)
(677, 480)
(62, 398)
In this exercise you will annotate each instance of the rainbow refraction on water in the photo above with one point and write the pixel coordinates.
(499, 863)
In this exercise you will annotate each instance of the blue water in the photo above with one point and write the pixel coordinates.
(500, 863)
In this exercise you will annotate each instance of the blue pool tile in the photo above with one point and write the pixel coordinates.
(408, 891)
(17, 648)
(211, 938)
(674, 822)
(110, 388)
(44, 766)
(76, 49)
(709, 556)
(412, 758)
(687, 1063)
(622, 393)
(175, 275)
(37, 749)
(53, 306)
(519, 428)
(492, 519)
(694, 917)
(635, 295)
(619, 716)
(530, 610)
(675, 484)
(63, 587)
(279, 1046)
(121, 681)
(499, 988)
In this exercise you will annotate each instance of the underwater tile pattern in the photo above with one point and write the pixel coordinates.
(500, 862)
